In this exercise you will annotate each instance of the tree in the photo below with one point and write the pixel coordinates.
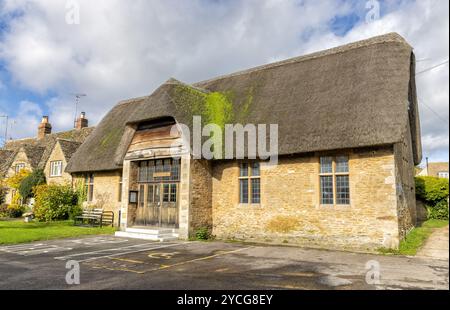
(37, 177)
(14, 182)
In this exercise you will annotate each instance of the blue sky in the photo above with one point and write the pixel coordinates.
(125, 49)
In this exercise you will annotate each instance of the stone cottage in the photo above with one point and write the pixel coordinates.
(48, 151)
(348, 140)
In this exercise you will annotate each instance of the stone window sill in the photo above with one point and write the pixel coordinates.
(247, 205)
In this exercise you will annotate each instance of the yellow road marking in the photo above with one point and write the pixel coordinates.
(97, 266)
(203, 258)
(127, 260)
(222, 270)
(163, 267)
(162, 255)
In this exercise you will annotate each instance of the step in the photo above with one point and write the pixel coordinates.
(136, 235)
(146, 236)
(151, 231)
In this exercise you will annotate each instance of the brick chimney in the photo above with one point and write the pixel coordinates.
(45, 128)
(82, 121)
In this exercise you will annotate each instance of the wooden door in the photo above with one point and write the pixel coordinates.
(158, 205)
(169, 205)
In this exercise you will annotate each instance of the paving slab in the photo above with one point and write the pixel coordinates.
(436, 246)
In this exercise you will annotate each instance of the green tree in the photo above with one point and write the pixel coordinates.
(37, 177)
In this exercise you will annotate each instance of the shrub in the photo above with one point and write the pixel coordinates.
(3, 210)
(75, 211)
(14, 183)
(37, 177)
(438, 211)
(15, 180)
(431, 189)
(202, 233)
(3, 191)
(11, 211)
(54, 202)
(434, 193)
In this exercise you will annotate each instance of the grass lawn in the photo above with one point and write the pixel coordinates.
(416, 238)
(17, 231)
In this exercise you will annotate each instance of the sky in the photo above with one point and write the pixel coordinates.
(119, 49)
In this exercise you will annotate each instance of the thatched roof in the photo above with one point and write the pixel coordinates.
(351, 96)
(39, 150)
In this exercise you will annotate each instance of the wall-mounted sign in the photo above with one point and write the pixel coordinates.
(161, 174)
(133, 197)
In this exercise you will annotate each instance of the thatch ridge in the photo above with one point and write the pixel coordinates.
(347, 97)
(386, 38)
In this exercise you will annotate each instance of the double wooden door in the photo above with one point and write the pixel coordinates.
(158, 205)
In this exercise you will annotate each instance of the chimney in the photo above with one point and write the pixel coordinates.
(45, 128)
(82, 121)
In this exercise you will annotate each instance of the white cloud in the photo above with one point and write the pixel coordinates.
(125, 49)
(26, 121)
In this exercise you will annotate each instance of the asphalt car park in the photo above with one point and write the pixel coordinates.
(107, 262)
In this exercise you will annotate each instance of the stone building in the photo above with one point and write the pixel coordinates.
(48, 151)
(348, 140)
(435, 169)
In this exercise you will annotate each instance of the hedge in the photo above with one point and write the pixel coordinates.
(433, 192)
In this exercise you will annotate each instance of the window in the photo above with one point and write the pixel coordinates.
(56, 168)
(157, 171)
(334, 180)
(141, 196)
(150, 194)
(19, 167)
(443, 174)
(170, 192)
(249, 183)
(120, 188)
(89, 186)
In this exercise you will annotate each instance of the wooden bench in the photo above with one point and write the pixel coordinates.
(95, 217)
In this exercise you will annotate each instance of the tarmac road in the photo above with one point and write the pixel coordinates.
(108, 262)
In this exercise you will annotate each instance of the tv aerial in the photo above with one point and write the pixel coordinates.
(77, 96)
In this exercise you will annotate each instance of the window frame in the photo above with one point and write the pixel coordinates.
(443, 174)
(119, 198)
(89, 180)
(17, 169)
(334, 174)
(148, 168)
(52, 165)
(249, 177)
